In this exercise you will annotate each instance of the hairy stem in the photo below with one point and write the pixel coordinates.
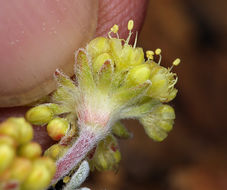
(85, 142)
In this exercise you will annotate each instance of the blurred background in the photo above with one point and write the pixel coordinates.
(194, 156)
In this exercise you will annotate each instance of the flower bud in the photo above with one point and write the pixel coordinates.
(30, 150)
(10, 129)
(116, 49)
(25, 130)
(125, 56)
(57, 128)
(100, 60)
(136, 57)
(163, 82)
(158, 122)
(18, 129)
(20, 169)
(107, 156)
(39, 115)
(39, 177)
(117, 156)
(98, 46)
(48, 162)
(5, 139)
(165, 112)
(7, 154)
(166, 125)
(138, 75)
(55, 151)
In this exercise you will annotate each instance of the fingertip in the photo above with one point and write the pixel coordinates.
(120, 12)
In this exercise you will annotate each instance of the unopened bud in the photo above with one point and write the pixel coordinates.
(39, 115)
(116, 49)
(39, 177)
(55, 151)
(166, 125)
(57, 128)
(5, 139)
(158, 122)
(127, 56)
(165, 112)
(107, 155)
(138, 74)
(20, 169)
(48, 162)
(25, 130)
(98, 46)
(10, 129)
(30, 150)
(7, 154)
(117, 156)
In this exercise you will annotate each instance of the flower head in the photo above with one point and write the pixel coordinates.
(113, 81)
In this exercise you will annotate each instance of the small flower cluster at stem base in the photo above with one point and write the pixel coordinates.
(113, 81)
(21, 164)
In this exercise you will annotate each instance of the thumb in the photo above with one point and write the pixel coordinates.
(36, 38)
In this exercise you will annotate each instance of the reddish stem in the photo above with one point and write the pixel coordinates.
(85, 142)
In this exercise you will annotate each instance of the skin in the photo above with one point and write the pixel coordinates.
(39, 36)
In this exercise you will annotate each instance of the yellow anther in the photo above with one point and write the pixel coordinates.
(115, 28)
(130, 24)
(158, 51)
(176, 62)
(150, 54)
(66, 179)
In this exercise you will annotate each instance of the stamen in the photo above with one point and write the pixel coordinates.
(134, 46)
(114, 29)
(176, 62)
(158, 52)
(150, 54)
(173, 83)
(130, 27)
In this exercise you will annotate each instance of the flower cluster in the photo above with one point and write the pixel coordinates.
(21, 163)
(113, 81)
